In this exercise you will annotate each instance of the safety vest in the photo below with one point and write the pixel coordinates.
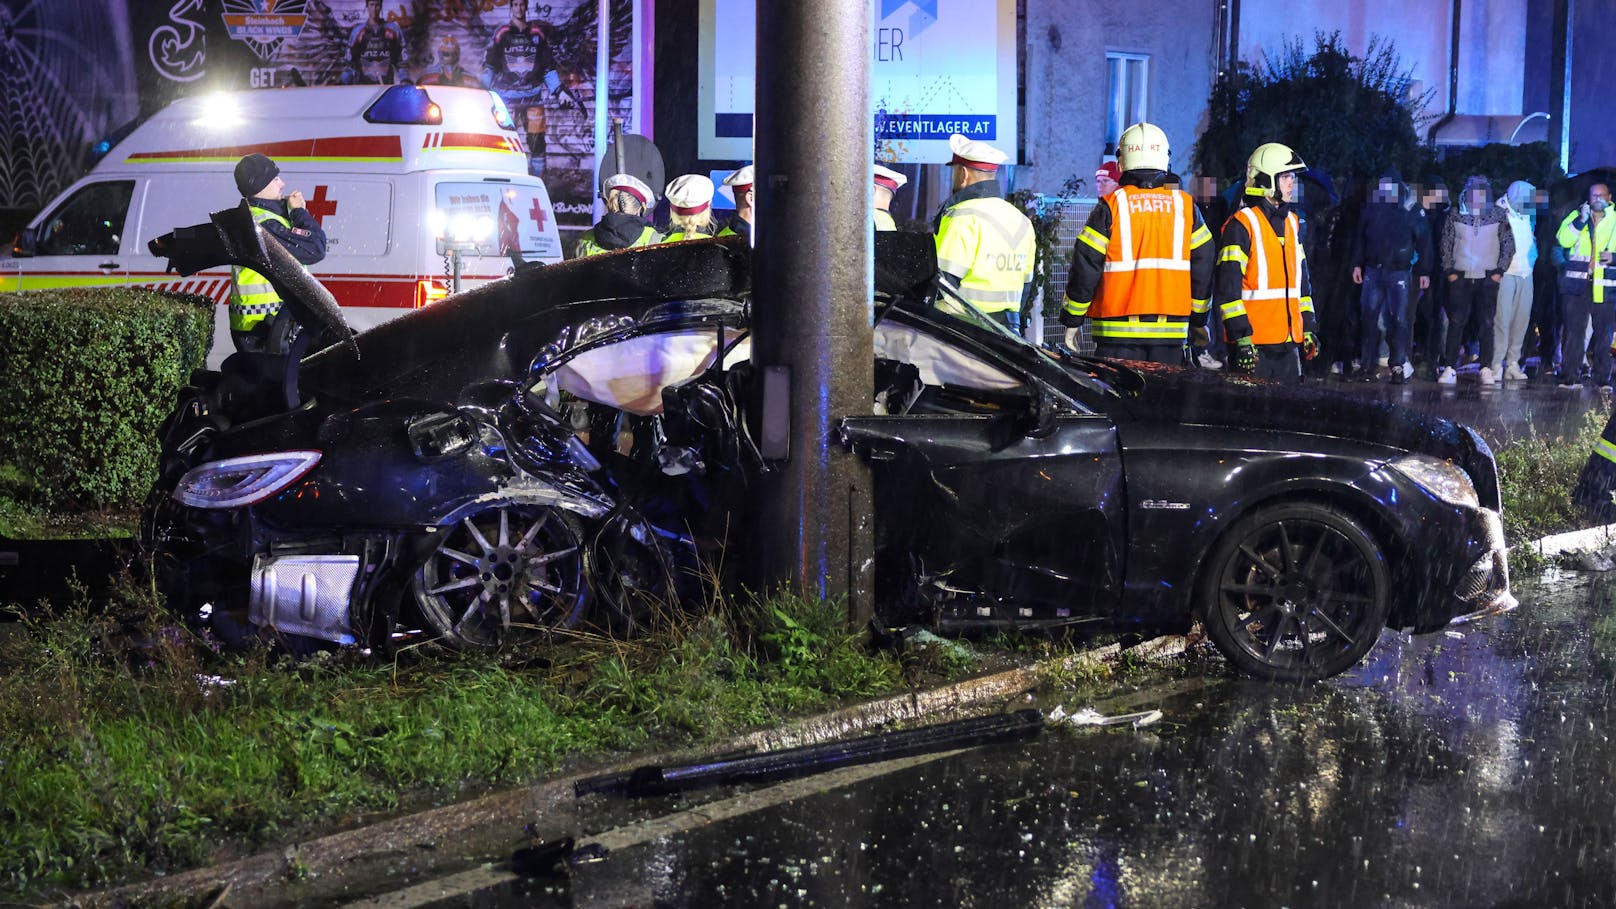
(1582, 249)
(989, 243)
(252, 298)
(883, 220)
(676, 236)
(1147, 265)
(588, 247)
(1271, 293)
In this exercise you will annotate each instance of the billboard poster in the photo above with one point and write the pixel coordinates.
(938, 67)
(539, 56)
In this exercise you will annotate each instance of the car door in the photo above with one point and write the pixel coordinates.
(979, 509)
(80, 241)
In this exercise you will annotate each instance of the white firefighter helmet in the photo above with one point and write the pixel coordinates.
(1143, 146)
(1266, 164)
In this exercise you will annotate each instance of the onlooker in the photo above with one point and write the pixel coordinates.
(1106, 179)
(1431, 304)
(1515, 289)
(1587, 237)
(1477, 247)
(1386, 256)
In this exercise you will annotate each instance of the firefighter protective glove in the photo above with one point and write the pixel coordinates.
(1245, 354)
(1071, 339)
(1310, 345)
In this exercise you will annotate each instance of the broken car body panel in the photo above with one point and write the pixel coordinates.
(1012, 486)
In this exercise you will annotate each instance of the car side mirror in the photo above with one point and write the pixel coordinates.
(26, 243)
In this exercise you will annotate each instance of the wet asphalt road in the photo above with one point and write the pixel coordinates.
(1460, 771)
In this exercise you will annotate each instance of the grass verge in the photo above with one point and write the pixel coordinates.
(1536, 475)
(128, 746)
(22, 518)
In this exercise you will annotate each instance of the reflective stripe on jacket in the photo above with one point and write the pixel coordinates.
(1147, 265)
(252, 298)
(1271, 293)
(989, 245)
(1582, 246)
(883, 220)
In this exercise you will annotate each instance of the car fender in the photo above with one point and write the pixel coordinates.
(1185, 493)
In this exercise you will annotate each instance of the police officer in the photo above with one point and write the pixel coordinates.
(985, 246)
(1262, 288)
(253, 300)
(1587, 286)
(624, 224)
(887, 184)
(740, 183)
(690, 208)
(1142, 266)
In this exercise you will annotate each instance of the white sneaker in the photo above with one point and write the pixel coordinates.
(1207, 361)
(1408, 370)
(1335, 369)
(1447, 377)
(1487, 376)
(1513, 373)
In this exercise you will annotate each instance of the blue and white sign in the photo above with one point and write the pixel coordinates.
(939, 67)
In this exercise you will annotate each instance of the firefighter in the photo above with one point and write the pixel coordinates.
(690, 205)
(1262, 287)
(624, 224)
(887, 184)
(740, 183)
(985, 245)
(1142, 267)
(254, 303)
(1587, 235)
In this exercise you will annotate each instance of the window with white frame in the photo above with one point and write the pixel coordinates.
(1128, 79)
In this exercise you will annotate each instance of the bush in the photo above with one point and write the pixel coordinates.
(1346, 115)
(86, 378)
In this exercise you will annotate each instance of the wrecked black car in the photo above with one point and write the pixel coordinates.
(432, 472)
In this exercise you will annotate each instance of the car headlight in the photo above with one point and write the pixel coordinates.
(1440, 478)
(235, 482)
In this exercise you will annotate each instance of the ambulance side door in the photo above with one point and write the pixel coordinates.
(81, 239)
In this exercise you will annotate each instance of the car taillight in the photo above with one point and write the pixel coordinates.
(235, 482)
(428, 291)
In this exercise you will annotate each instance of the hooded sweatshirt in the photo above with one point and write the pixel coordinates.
(1477, 241)
(1389, 236)
(1517, 205)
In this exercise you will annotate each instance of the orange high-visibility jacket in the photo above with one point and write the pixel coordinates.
(1271, 297)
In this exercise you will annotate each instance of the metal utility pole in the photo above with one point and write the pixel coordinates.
(813, 286)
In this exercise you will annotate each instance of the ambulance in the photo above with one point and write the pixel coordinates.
(417, 188)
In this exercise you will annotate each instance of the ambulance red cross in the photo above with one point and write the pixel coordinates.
(384, 169)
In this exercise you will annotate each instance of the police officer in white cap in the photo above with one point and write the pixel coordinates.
(624, 224)
(740, 183)
(690, 204)
(887, 184)
(985, 245)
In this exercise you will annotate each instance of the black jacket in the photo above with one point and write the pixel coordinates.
(1390, 236)
(305, 239)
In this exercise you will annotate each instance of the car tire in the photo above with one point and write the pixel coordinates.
(1296, 592)
(501, 575)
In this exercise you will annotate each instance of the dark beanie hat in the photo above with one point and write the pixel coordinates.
(255, 172)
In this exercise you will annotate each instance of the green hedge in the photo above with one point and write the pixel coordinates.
(86, 378)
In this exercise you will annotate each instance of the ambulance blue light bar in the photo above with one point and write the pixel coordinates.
(405, 104)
